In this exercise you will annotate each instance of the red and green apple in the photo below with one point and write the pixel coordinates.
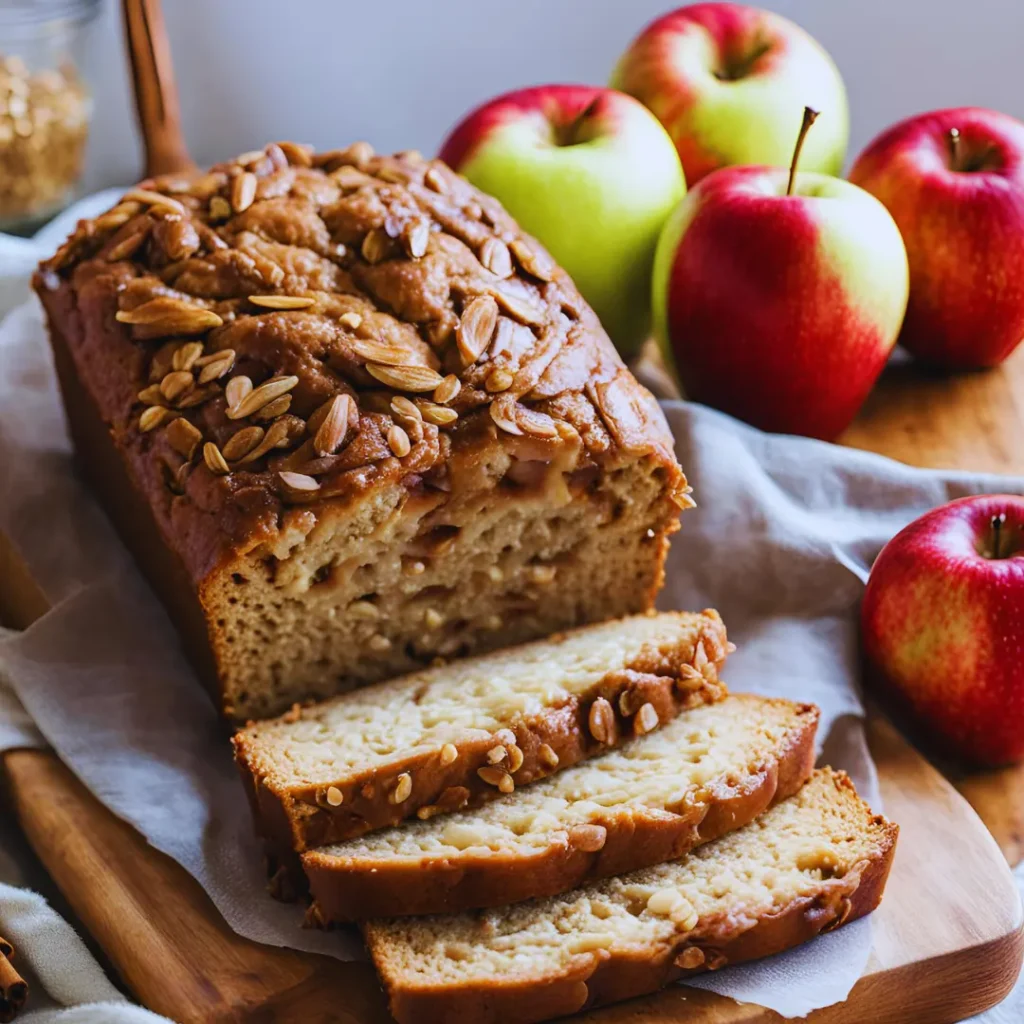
(729, 82)
(778, 295)
(593, 175)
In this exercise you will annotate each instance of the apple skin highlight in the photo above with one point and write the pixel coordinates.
(963, 229)
(780, 310)
(589, 172)
(729, 82)
(943, 626)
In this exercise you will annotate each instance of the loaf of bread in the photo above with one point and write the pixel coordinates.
(813, 863)
(712, 770)
(351, 419)
(450, 737)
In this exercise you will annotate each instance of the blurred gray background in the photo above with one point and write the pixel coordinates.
(400, 72)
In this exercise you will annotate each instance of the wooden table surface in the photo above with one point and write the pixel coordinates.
(971, 421)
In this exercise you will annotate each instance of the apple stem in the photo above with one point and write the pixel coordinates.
(568, 134)
(997, 534)
(954, 147)
(809, 118)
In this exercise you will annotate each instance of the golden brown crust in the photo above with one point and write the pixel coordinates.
(302, 817)
(366, 322)
(616, 976)
(352, 890)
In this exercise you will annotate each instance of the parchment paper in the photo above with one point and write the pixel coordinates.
(780, 543)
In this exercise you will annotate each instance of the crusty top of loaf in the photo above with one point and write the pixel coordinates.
(295, 326)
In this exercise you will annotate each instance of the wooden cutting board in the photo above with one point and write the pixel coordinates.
(947, 939)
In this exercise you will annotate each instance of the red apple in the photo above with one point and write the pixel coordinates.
(729, 82)
(954, 182)
(593, 175)
(943, 624)
(779, 296)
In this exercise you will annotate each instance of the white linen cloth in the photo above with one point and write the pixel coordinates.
(781, 544)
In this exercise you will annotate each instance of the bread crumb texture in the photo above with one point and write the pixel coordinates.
(436, 710)
(665, 774)
(797, 850)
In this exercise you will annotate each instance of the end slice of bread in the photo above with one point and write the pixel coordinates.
(812, 863)
(376, 756)
(709, 772)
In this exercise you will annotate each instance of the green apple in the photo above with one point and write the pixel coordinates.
(593, 175)
(729, 83)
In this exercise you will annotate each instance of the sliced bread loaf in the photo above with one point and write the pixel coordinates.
(709, 772)
(811, 864)
(466, 733)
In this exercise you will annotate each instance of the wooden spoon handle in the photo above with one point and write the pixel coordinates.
(156, 95)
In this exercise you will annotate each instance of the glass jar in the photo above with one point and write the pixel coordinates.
(45, 107)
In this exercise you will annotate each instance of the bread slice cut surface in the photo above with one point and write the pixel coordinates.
(708, 772)
(812, 863)
(467, 733)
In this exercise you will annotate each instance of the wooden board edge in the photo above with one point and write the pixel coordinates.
(957, 986)
(156, 924)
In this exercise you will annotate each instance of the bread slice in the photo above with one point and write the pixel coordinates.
(711, 771)
(812, 863)
(373, 757)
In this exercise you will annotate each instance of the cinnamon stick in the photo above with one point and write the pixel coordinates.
(13, 989)
(156, 95)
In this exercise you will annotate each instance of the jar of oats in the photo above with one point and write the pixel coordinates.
(44, 106)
